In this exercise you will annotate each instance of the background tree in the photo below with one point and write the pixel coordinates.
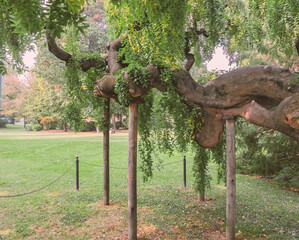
(51, 72)
(14, 93)
(44, 103)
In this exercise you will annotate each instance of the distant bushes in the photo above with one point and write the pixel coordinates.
(88, 126)
(3, 123)
(33, 127)
(48, 122)
(267, 153)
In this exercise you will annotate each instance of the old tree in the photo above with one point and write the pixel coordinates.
(156, 44)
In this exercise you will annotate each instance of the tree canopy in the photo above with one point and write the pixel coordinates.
(155, 43)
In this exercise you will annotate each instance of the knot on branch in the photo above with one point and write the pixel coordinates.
(105, 87)
(289, 108)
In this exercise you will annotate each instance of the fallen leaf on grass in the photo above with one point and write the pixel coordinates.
(6, 232)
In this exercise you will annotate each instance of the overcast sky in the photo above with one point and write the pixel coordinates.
(220, 61)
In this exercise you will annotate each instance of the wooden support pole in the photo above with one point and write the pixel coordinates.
(185, 175)
(230, 179)
(106, 150)
(77, 173)
(132, 166)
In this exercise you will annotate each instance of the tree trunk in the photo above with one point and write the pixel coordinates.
(201, 198)
(0, 91)
(64, 125)
(132, 165)
(230, 179)
(106, 151)
(113, 122)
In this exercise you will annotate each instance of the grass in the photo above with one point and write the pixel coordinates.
(166, 210)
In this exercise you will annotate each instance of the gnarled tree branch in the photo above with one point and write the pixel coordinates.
(113, 48)
(190, 56)
(57, 51)
(247, 92)
(85, 63)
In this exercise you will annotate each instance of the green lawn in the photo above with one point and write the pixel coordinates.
(30, 160)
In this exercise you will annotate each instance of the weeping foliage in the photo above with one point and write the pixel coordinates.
(163, 126)
(157, 29)
(80, 89)
(219, 157)
(80, 85)
(200, 170)
(268, 27)
(154, 28)
(23, 22)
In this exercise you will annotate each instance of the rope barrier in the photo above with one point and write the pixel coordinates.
(157, 166)
(100, 165)
(166, 164)
(37, 190)
(93, 164)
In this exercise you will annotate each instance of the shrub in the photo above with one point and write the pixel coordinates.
(33, 127)
(37, 127)
(118, 125)
(88, 126)
(267, 153)
(3, 123)
(126, 122)
(48, 122)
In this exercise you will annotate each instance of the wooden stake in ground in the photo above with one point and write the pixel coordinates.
(230, 179)
(132, 166)
(106, 150)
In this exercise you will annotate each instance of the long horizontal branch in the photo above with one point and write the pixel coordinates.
(266, 85)
(285, 118)
(247, 92)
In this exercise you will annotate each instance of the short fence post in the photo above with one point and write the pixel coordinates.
(185, 177)
(77, 173)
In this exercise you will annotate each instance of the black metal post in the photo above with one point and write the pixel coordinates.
(185, 177)
(77, 173)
